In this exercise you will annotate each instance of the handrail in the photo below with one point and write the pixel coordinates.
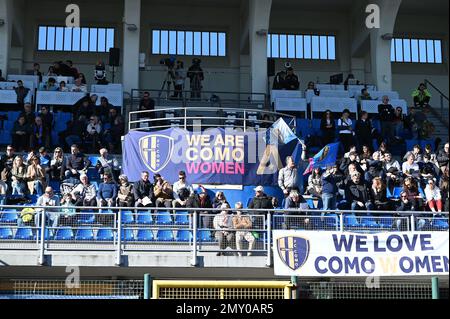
(434, 87)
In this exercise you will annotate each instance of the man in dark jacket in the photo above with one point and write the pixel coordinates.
(28, 114)
(442, 157)
(363, 131)
(6, 164)
(261, 200)
(77, 162)
(21, 92)
(143, 191)
(357, 193)
(387, 113)
(291, 81)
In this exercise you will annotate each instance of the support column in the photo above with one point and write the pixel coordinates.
(5, 34)
(131, 44)
(259, 19)
(381, 48)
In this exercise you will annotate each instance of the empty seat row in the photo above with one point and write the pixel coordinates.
(87, 234)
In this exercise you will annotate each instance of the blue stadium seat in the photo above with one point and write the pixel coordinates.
(105, 235)
(184, 236)
(25, 233)
(386, 221)
(181, 218)
(369, 222)
(396, 194)
(65, 233)
(127, 235)
(8, 217)
(164, 235)
(127, 217)
(145, 235)
(94, 160)
(204, 236)
(47, 234)
(85, 234)
(410, 144)
(6, 233)
(249, 201)
(163, 218)
(350, 221)
(87, 218)
(92, 174)
(331, 220)
(144, 218)
(440, 224)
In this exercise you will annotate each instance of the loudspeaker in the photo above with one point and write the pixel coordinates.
(270, 67)
(114, 57)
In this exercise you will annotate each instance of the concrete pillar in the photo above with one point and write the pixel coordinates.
(5, 34)
(381, 48)
(259, 19)
(131, 45)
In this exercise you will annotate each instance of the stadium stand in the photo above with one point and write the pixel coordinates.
(63, 186)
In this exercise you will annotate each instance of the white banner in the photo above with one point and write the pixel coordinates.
(340, 254)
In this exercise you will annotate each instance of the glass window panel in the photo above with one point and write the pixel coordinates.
(172, 42)
(423, 51)
(393, 50)
(275, 46)
(93, 39)
(189, 43)
(42, 38)
(315, 47)
(299, 47)
(59, 39)
(205, 43)
(84, 39)
(398, 50)
(430, 51)
(307, 46)
(101, 45)
(109, 39)
(222, 44)
(164, 42)
(269, 41)
(156, 37)
(51, 38)
(197, 43)
(68, 39)
(213, 50)
(438, 51)
(76, 39)
(323, 48)
(406, 50)
(180, 42)
(283, 46)
(332, 48)
(291, 47)
(415, 51)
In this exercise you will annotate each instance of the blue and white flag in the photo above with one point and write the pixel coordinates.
(281, 133)
(326, 157)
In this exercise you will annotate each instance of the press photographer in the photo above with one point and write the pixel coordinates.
(195, 74)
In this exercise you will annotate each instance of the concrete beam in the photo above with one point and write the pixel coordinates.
(131, 44)
(6, 14)
(259, 20)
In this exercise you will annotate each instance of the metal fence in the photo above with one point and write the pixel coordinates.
(93, 289)
(192, 231)
(359, 290)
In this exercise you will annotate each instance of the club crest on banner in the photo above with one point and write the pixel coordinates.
(156, 151)
(293, 251)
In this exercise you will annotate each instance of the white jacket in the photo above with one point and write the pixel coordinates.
(434, 193)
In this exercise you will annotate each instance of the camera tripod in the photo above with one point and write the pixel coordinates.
(169, 79)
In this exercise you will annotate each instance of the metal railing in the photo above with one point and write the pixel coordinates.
(191, 231)
(442, 117)
(190, 117)
(204, 98)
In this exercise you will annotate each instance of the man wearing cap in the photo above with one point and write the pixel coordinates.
(223, 224)
(242, 222)
(261, 200)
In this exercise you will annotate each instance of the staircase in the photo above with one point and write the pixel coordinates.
(439, 114)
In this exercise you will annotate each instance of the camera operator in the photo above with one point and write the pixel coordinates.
(291, 81)
(100, 73)
(195, 74)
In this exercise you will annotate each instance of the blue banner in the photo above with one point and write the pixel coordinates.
(217, 156)
(325, 158)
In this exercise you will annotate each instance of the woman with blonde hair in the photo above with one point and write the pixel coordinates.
(36, 177)
(18, 175)
(57, 165)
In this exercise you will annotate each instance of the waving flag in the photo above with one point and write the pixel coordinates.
(280, 132)
(326, 157)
